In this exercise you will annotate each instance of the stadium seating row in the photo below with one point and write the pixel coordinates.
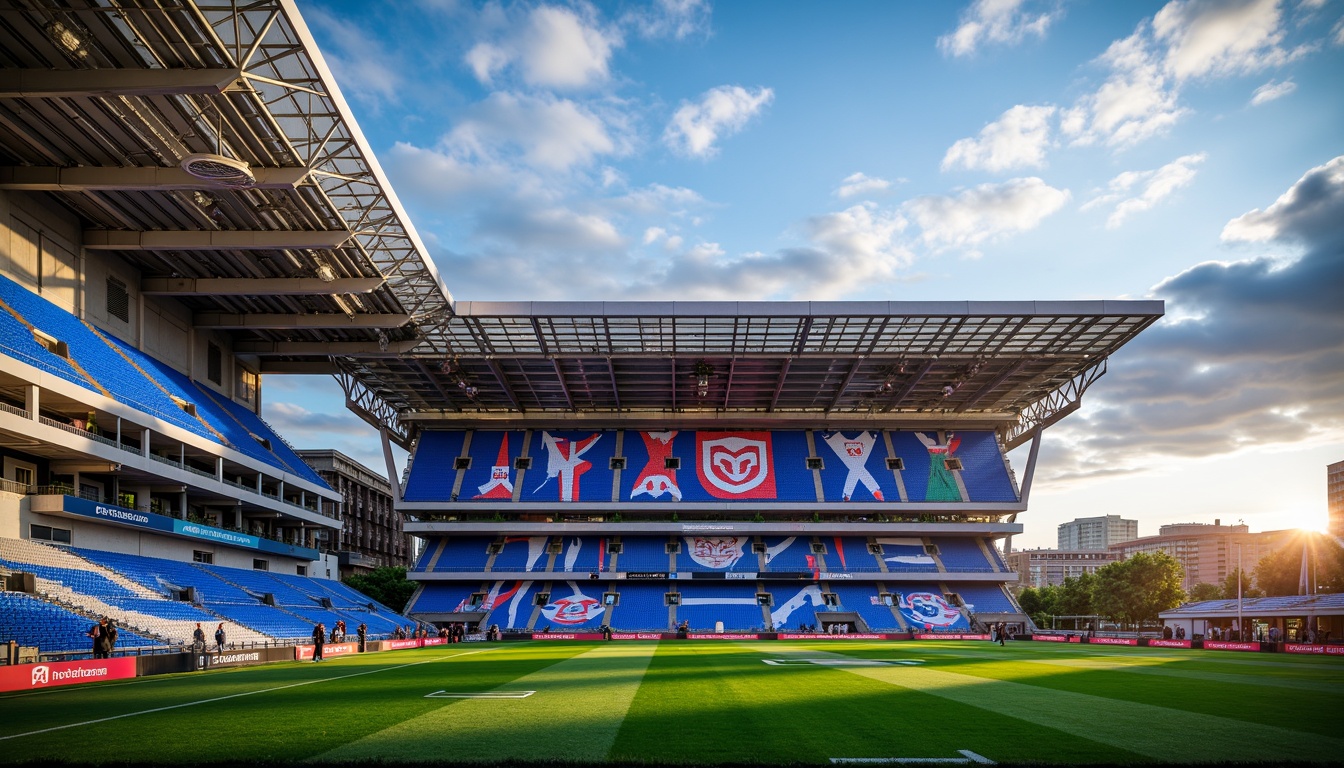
(102, 363)
(145, 592)
(573, 605)
(752, 554)
(749, 466)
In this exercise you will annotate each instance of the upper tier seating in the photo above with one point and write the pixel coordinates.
(743, 466)
(463, 554)
(522, 553)
(578, 553)
(125, 373)
(162, 575)
(643, 553)
(717, 553)
(905, 554)
(788, 553)
(849, 553)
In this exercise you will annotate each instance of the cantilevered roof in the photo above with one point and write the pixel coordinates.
(1013, 365)
(104, 105)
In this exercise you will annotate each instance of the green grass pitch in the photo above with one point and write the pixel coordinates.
(700, 703)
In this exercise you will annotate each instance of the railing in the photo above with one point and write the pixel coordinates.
(6, 407)
(77, 431)
(10, 486)
(200, 472)
(165, 460)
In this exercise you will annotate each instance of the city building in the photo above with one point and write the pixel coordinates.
(372, 536)
(1050, 567)
(1334, 480)
(1096, 532)
(1208, 552)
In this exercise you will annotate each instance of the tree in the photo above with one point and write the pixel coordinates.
(387, 585)
(1075, 595)
(1248, 590)
(1205, 591)
(1040, 604)
(1137, 589)
(1280, 572)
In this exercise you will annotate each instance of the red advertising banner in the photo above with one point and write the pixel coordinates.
(27, 677)
(948, 636)
(1224, 645)
(566, 636)
(398, 645)
(1328, 650)
(1055, 638)
(638, 636)
(1161, 643)
(1114, 640)
(305, 652)
(724, 636)
(853, 636)
(434, 641)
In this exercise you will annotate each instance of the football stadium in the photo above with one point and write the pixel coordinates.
(671, 532)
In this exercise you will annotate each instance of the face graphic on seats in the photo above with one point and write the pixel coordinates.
(716, 552)
(928, 608)
(575, 609)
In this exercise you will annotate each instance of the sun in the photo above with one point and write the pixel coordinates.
(1306, 519)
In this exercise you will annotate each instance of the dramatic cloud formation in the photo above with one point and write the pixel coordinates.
(552, 48)
(994, 21)
(1220, 37)
(1136, 191)
(1018, 139)
(861, 184)
(984, 213)
(1252, 357)
(721, 111)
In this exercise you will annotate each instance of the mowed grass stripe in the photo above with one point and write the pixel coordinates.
(575, 715)
(286, 724)
(705, 703)
(1169, 669)
(1162, 733)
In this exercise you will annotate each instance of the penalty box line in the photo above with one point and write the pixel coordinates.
(236, 695)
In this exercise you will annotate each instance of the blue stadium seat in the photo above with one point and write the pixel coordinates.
(733, 604)
(30, 621)
(642, 607)
(643, 553)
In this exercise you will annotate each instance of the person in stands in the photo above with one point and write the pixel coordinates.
(198, 635)
(109, 638)
(363, 633)
(219, 638)
(95, 634)
(319, 639)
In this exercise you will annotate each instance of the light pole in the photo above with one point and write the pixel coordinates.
(1241, 627)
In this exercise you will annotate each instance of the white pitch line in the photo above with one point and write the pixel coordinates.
(480, 695)
(969, 757)
(234, 696)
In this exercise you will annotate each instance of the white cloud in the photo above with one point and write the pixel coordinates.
(1135, 103)
(861, 184)
(984, 213)
(1220, 37)
(994, 21)
(552, 47)
(675, 19)
(1271, 91)
(1136, 191)
(720, 112)
(1018, 139)
(1254, 359)
(550, 230)
(547, 132)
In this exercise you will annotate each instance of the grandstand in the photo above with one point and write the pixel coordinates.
(187, 204)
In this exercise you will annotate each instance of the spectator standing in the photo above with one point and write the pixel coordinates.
(220, 637)
(109, 638)
(95, 634)
(319, 637)
(198, 636)
(363, 633)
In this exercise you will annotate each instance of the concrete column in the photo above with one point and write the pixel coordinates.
(32, 400)
(219, 469)
(144, 443)
(182, 506)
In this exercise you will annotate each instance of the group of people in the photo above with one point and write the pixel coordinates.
(1173, 634)
(453, 633)
(999, 632)
(104, 636)
(198, 637)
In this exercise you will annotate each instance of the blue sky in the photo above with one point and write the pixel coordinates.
(1188, 151)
